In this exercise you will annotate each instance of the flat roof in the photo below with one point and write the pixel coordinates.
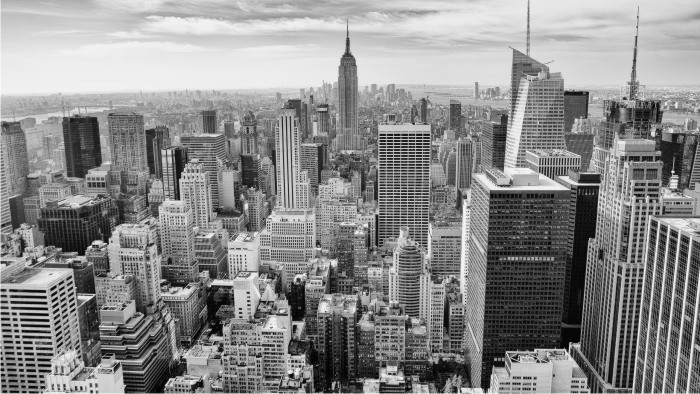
(544, 183)
(36, 277)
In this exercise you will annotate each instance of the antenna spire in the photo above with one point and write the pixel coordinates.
(528, 28)
(634, 84)
(347, 36)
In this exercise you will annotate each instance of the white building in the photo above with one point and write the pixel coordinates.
(538, 117)
(70, 375)
(244, 253)
(113, 289)
(289, 236)
(246, 294)
(39, 319)
(196, 190)
(464, 260)
(444, 248)
(293, 187)
(184, 304)
(177, 234)
(552, 162)
(404, 181)
(541, 371)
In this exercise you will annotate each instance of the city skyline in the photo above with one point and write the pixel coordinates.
(158, 45)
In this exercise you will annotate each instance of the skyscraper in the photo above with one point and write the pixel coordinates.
(409, 259)
(493, 142)
(324, 121)
(538, 117)
(174, 160)
(39, 320)
(81, 141)
(157, 139)
(177, 231)
(666, 360)
(14, 169)
(313, 160)
(456, 117)
(208, 149)
(522, 65)
(517, 259)
(463, 175)
(196, 191)
(424, 110)
(293, 188)
(249, 135)
(209, 122)
(575, 107)
(679, 153)
(404, 181)
(337, 347)
(348, 100)
(629, 195)
(127, 142)
(583, 206)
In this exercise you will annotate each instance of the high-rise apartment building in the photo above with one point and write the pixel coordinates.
(209, 149)
(177, 232)
(157, 139)
(537, 121)
(517, 259)
(127, 138)
(337, 347)
(196, 191)
(174, 160)
(666, 359)
(81, 142)
(583, 208)
(629, 195)
(39, 320)
(209, 122)
(408, 262)
(575, 107)
(404, 181)
(133, 251)
(552, 162)
(74, 223)
(348, 134)
(293, 187)
(246, 294)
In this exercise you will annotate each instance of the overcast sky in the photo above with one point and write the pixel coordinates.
(117, 45)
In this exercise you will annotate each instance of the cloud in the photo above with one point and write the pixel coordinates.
(278, 51)
(131, 48)
(56, 33)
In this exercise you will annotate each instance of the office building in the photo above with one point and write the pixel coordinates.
(249, 135)
(289, 237)
(444, 248)
(127, 138)
(157, 139)
(258, 208)
(114, 289)
(313, 159)
(404, 181)
(210, 252)
(81, 142)
(540, 371)
(582, 145)
(324, 121)
(208, 149)
(337, 348)
(133, 251)
(424, 110)
(456, 117)
(246, 294)
(83, 272)
(15, 161)
(53, 192)
(186, 308)
(244, 253)
(70, 375)
(177, 232)
(348, 133)
(629, 195)
(140, 343)
(583, 208)
(666, 360)
(552, 162)
(74, 223)
(293, 186)
(174, 160)
(98, 255)
(499, 287)
(464, 163)
(318, 284)
(196, 191)
(575, 107)
(39, 320)
(89, 325)
(209, 122)
(408, 262)
(537, 121)
(678, 153)
(522, 65)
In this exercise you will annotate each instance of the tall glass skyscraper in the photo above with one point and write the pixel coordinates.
(81, 141)
(348, 133)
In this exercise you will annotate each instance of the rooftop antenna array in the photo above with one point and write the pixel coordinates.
(528, 28)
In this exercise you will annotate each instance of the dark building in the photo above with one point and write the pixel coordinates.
(424, 110)
(74, 223)
(98, 255)
(628, 119)
(89, 325)
(314, 157)
(575, 106)
(298, 107)
(583, 208)
(156, 139)
(456, 117)
(17, 210)
(250, 174)
(345, 239)
(678, 151)
(81, 142)
(249, 135)
(517, 267)
(209, 123)
(337, 318)
(493, 142)
(582, 145)
(297, 298)
(174, 160)
(83, 273)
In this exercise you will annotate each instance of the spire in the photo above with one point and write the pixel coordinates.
(347, 37)
(634, 84)
(528, 29)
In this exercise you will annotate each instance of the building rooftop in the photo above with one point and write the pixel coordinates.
(684, 224)
(179, 292)
(35, 278)
(552, 153)
(75, 201)
(517, 179)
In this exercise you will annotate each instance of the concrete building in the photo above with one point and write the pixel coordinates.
(445, 248)
(499, 286)
(196, 190)
(185, 306)
(552, 162)
(70, 375)
(210, 253)
(289, 236)
(173, 162)
(669, 318)
(15, 162)
(246, 294)
(293, 187)
(114, 289)
(208, 150)
(408, 263)
(53, 192)
(348, 132)
(127, 138)
(81, 141)
(541, 371)
(244, 253)
(177, 234)
(337, 348)
(404, 181)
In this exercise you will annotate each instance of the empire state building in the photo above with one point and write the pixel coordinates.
(348, 135)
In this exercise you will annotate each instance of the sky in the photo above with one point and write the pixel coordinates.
(129, 45)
